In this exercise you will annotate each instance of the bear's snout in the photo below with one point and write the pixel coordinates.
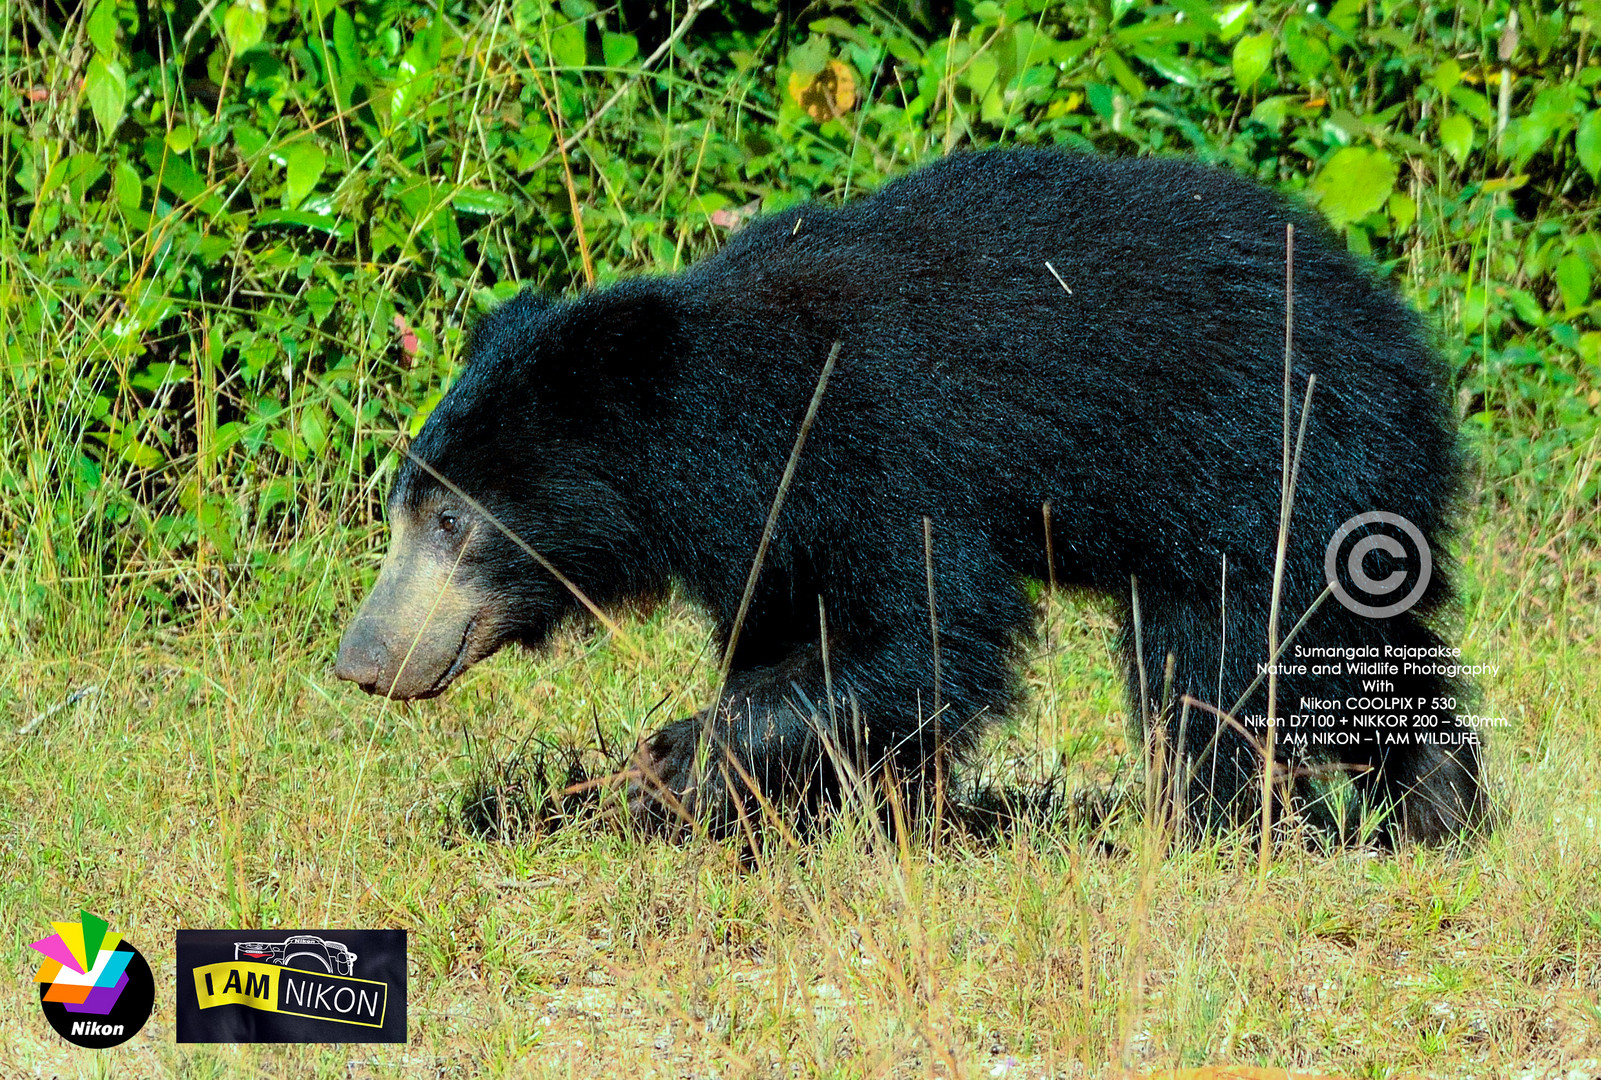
(390, 652)
(372, 660)
(420, 627)
(359, 659)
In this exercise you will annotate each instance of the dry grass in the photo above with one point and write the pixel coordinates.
(221, 778)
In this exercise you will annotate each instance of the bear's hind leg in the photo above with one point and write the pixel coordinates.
(1432, 792)
(1207, 762)
(1429, 783)
(1376, 705)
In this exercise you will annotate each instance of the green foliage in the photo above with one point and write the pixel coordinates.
(1356, 182)
(237, 250)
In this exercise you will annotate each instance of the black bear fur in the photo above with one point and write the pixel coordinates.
(636, 435)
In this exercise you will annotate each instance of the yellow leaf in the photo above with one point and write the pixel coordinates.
(1506, 183)
(828, 95)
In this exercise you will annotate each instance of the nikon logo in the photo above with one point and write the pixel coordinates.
(270, 988)
(94, 987)
(255, 986)
(334, 1002)
(301, 986)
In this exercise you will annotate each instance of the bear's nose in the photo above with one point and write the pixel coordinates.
(358, 662)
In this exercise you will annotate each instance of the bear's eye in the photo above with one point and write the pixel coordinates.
(447, 522)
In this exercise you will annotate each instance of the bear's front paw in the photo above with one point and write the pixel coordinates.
(669, 790)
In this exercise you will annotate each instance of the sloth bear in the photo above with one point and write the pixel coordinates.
(1039, 356)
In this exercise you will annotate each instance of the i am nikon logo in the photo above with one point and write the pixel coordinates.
(292, 986)
(300, 993)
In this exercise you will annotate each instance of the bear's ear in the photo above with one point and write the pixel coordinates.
(610, 338)
(502, 335)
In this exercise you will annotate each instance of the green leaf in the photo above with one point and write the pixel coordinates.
(1100, 97)
(1525, 135)
(1589, 348)
(127, 447)
(1253, 55)
(1456, 136)
(283, 440)
(84, 170)
(350, 65)
(1118, 68)
(567, 46)
(320, 301)
(474, 201)
(304, 162)
(77, 173)
(89, 474)
(809, 58)
(314, 427)
(1588, 143)
(250, 140)
(836, 26)
(1308, 54)
(618, 49)
(1474, 308)
(102, 28)
(982, 72)
(1527, 307)
(1505, 183)
(1232, 20)
(213, 525)
(1475, 104)
(127, 185)
(1172, 68)
(1573, 280)
(1446, 76)
(1345, 13)
(416, 79)
(141, 455)
(244, 23)
(223, 439)
(401, 98)
(212, 248)
(1403, 211)
(342, 409)
(421, 416)
(106, 85)
(709, 203)
(179, 177)
(323, 223)
(1353, 183)
(1271, 112)
(423, 55)
(52, 180)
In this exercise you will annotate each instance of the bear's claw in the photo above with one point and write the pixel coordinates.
(664, 792)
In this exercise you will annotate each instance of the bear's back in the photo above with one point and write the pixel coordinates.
(995, 307)
(1069, 271)
(1106, 254)
(981, 217)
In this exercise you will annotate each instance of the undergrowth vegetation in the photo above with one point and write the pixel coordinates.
(239, 245)
(238, 251)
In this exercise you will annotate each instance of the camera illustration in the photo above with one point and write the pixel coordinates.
(307, 952)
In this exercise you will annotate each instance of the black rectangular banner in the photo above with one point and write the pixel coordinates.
(301, 986)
